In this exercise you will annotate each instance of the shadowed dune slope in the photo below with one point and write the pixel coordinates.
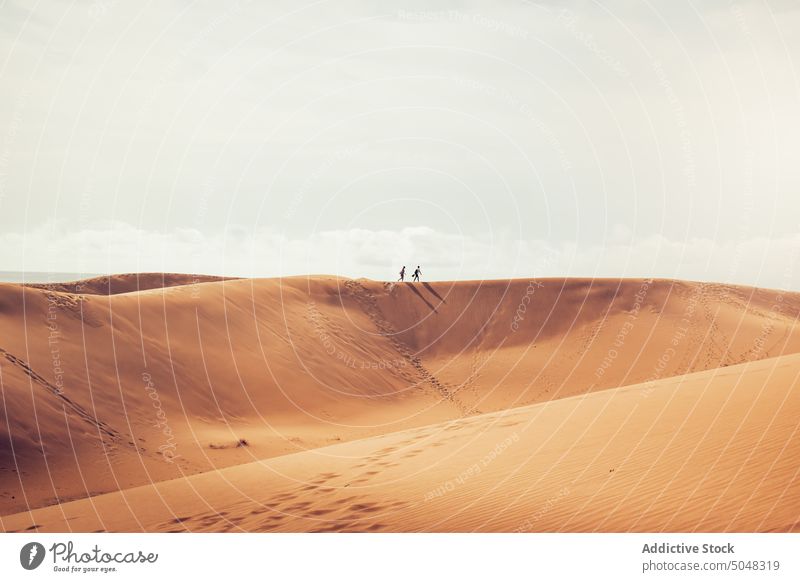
(710, 451)
(105, 392)
(500, 344)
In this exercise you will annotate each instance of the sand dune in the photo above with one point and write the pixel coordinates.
(127, 283)
(710, 451)
(107, 390)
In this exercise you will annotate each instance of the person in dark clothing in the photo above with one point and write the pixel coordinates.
(417, 273)
(402, 273)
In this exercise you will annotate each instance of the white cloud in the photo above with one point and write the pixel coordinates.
(378, 254)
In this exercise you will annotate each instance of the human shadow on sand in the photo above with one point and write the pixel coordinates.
(433, 291)
(418, 294)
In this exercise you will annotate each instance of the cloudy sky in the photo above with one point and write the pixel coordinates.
(478, 139)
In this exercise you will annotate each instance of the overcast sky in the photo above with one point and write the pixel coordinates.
(477, 139)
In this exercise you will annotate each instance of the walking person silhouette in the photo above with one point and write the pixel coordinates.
(402, 273)
(417, 273)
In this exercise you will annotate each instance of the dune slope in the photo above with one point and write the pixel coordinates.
(127, 283)
(710, 451)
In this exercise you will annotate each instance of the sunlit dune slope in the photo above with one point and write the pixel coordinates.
(710, 451)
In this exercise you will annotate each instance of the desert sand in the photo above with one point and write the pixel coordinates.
(180, 403)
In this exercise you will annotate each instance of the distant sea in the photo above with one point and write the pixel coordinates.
(41, 277)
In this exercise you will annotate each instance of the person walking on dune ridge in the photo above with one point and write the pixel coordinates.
(402, 273)
(417, 273)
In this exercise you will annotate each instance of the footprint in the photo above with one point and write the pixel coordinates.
(365, 507)
(301, 505)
